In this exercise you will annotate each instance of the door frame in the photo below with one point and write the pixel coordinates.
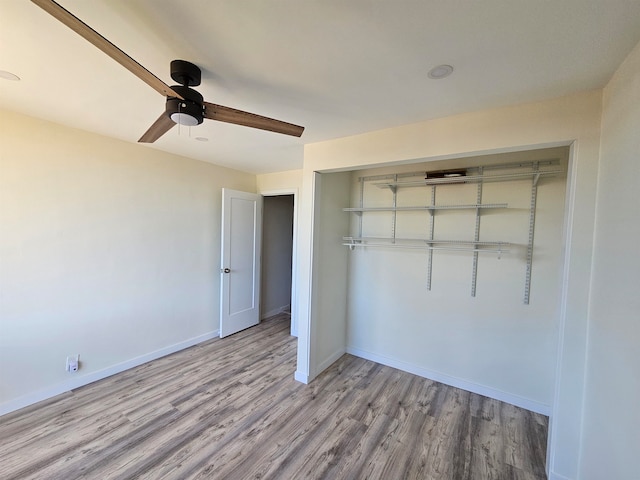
(294, 252)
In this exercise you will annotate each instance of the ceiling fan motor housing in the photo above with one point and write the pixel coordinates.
(180, 110)
(186, 73)
(188, 111)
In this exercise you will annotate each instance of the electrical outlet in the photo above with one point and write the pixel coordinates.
(73, 363)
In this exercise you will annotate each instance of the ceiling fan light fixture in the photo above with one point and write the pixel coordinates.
(184, 119)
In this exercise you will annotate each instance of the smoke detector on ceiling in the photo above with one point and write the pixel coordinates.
(441, 71)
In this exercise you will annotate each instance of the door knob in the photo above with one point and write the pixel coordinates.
(227, 270)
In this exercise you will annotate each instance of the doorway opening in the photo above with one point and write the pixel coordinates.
(277, 293)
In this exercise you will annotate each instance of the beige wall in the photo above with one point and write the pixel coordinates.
(273, 182)
(611, 417)
(572, 120)
(107, 249)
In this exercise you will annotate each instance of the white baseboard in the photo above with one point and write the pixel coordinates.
(516, 400)
(307, 378)
(79, 381)
(327, 362)
(301, 377)
(557, 476)
(275, 311)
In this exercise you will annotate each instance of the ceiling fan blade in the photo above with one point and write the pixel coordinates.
(161, 126)
(88, 33)
(231, 115)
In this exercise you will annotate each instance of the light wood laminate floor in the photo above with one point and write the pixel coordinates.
(230, 409)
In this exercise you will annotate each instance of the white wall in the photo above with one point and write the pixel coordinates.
(107, 249)
(277, 248)
(572, 120)
(492, 343)
(330, 269)
(611, 432)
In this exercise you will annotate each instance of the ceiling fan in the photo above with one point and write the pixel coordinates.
(184, 105)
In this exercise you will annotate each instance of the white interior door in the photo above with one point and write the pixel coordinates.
(240, 261)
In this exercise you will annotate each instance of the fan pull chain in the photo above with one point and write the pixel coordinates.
(180, 104)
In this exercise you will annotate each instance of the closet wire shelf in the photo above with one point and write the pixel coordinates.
(425, 207)
(426, 244)
(470, 179)
(394, 182)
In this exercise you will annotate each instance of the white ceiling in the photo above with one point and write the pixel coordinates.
(336, 67)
